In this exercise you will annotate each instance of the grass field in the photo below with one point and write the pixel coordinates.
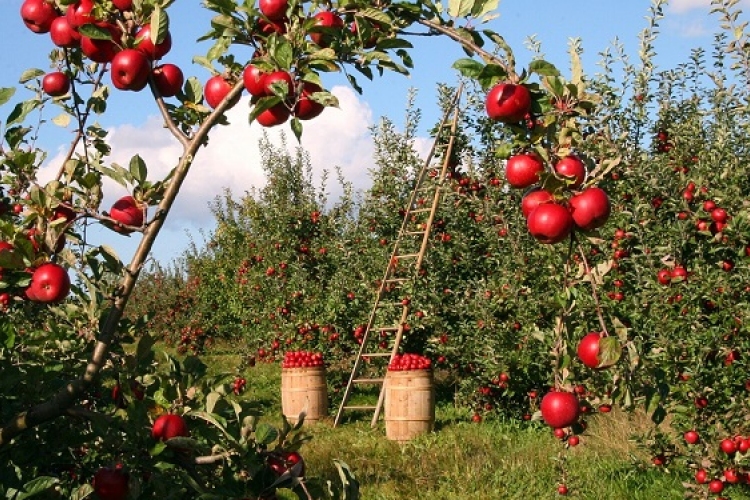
(465, 460)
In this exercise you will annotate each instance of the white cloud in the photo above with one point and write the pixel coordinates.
(688, 28)
(338, 137)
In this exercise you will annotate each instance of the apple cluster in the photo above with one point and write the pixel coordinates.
(734, 448)
(238, 386)
(132, 48)
(302, 359)
(551, 214)
(409, 361)
(281, 462)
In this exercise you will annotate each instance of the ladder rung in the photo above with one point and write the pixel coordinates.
(407, 256)
(414, 233)
(391, 304)
(397, 280)
(368, 380)
(359, 407)
(420, 210)
(386, 329)
(376, 354)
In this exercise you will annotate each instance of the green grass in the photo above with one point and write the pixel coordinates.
(464, 460)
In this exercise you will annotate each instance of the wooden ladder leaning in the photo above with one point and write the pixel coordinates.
(397, 312)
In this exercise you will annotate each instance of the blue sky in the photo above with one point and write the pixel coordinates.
(340, 137)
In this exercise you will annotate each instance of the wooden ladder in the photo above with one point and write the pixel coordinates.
(393, 278)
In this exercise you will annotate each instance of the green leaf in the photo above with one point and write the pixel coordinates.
(460, 8)
(266, 434)
(211, 400)
(470, 68)
(83, 491)
(610, 351)
(297, 128)
(95, 32)
(159, 25)
(37, 486)
(62, 120)
(30, 74)
(544, 68)
(138, 169)
(6, 93)
(114, 263)
(21, 111)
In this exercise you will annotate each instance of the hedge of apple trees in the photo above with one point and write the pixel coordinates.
(632, 228)
(645, 311)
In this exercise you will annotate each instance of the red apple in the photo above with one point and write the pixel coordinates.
(550, 223)
(329, 25)
(38, 15)
(111, 484)
(508, 102)
(50, 283)
(123, 5)
(127, 211)
(274, 10)
(62, 34)
(56, 84)
(80, 13)
(130, 69)
(588, 350)
(168, 79)
(590, 209)
(559, 409)
(573, 167)
(102, 51)
(533, 198)
(277, 77)
(252, 77)
(146, 45)
(306, 108)
(168, 426)
(215, 90)
(522, 170)
(275, 115)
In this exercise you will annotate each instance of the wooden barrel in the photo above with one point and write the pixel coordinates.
(409, 404)
(304, 389)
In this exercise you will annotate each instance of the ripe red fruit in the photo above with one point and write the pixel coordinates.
(168, 79)
(679, 273)
(38, 15)
(664, 276)
(306, 108)
(101, 51)
(588, 350)
(127, 211)
(559, 409)
(275, 115)
(168, 426)
(50, 283)
(701, 476)
(508, 102)
(731, 476)
(574, 440)
(476, 418)
(550, 223)
(533, 198)
(62, 34)
(522, 170)
(709, 205)
(80, 13)
(277, 77)
(215, 90)
(130, 69)
(728, 446)
(590, 209)
(691, 437)
(329, 24)
(719, 215)
(123, 5)
(275, 10)
(111, 484)
(562, 490)
(716, 486)
(252, 77)
(572, 167)
(147, 46)
(56, 84)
